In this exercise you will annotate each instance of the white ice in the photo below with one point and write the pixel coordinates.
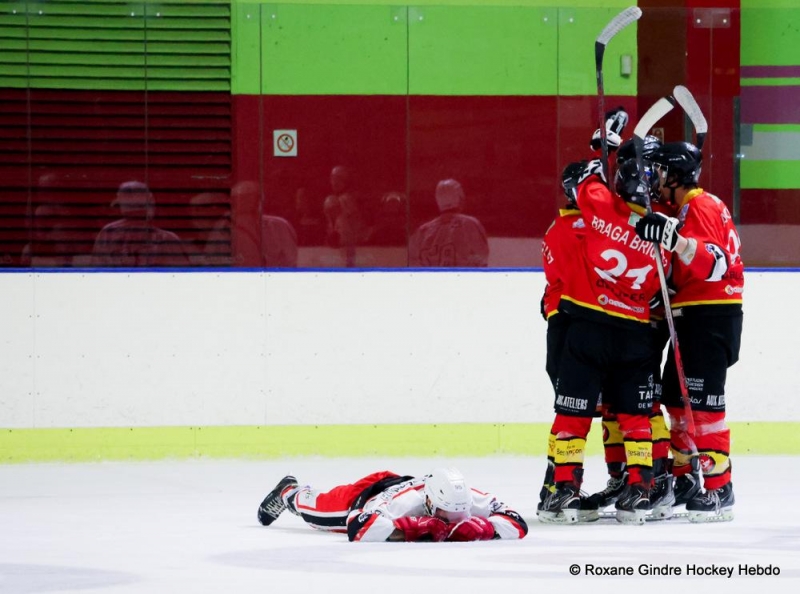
(190, 526)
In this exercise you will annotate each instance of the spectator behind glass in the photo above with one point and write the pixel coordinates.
(50, 235)
(391, 221)
(345, 221)
(210, 214)
(134, 240)
(452, 239)
(278, 242)
(308, 220)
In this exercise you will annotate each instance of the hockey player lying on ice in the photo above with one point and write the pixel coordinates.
(385, 506)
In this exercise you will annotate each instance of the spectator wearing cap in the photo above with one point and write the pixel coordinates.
(453, 239)
(134, 240)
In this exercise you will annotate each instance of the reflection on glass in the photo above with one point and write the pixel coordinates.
(134, 239)
(452, 239)
(345, 224)
(390, 222)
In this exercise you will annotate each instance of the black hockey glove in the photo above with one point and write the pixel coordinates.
(593, 167)
(659, 228)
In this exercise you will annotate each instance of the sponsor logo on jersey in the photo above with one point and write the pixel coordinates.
(733, 290)
(606, 300)
(573, 403)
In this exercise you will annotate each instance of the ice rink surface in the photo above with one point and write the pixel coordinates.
(191, 527)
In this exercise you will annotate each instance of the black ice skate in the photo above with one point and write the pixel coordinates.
(566, 505)
(715, 505)
(662, 497)
(633, 504)
(273, 504)
(611, 493)
(688, 485)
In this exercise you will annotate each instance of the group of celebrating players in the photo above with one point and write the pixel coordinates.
(606, 334)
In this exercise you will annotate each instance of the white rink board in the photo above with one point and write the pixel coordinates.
(106, 349)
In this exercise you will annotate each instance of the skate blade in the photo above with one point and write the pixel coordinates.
(586, 516)
(612, 515)
(662, 512)
(634, 518)
(723, 515)
(569, 516)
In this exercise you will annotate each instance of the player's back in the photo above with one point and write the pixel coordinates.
(619, 271)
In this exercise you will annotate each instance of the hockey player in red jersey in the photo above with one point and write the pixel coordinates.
(608, 347)
(560, 249)
(708, 277)
(385, 506)
(626, 184)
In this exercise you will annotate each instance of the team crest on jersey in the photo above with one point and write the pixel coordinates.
(579, 224)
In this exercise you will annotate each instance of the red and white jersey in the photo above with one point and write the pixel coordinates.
(616, 274)
(715, 274)
(375, 519)
(560, 251)
(450, 240)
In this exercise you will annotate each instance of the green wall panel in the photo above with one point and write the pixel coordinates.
(107, 44)
(246, 50)
(770, 175)
(482, 50)
(334, 50)
(577, 30)
(770, 37)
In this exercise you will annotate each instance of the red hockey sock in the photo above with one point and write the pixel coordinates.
(638, 447)
(570, 445)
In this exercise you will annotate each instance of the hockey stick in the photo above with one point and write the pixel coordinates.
(657, 111)
(614, 26)
(687, 101)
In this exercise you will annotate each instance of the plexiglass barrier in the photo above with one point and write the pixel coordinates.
(208, 134)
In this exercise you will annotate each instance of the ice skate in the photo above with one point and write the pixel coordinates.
(633, 504)
(662, 498)
(715, 505)
(273, 504)
(688, 485)
(566, 505)
(611, 493)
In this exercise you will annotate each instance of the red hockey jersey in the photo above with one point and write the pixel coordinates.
(560, 252)
(616, 274)
(715, 273)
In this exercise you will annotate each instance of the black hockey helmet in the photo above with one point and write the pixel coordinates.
(569, 180)
(628, 151)
(679, 162)
(630, 186)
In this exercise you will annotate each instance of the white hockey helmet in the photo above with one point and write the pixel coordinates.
(447, 495)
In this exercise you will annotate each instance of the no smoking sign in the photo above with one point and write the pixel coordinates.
(284, 143)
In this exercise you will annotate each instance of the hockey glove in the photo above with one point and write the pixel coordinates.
(613, 140)
(474, 528)
(593, 167)
(659, 228)
(422, 528)
(616, 119)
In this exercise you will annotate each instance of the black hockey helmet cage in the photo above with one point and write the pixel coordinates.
(679, 162)
(569, 180)
(628, 151)
(628, 183)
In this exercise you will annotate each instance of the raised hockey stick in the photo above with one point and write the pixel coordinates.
(687, 101)
(614, 26)
(657, 111)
